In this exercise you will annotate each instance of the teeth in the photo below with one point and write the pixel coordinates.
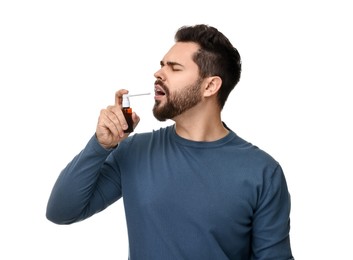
(159, 90)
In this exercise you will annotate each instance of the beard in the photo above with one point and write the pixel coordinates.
(178, 101)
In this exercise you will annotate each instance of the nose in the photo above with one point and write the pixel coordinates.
(159, 74)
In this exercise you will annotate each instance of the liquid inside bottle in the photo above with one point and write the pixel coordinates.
(127, 111)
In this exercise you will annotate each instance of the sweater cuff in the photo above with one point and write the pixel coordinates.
(97, 147)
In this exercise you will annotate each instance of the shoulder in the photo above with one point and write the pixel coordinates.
(158, 133)
(147, 139)
(254, 153)
(254, 162)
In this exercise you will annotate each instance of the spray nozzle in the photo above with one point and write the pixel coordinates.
(126, 100)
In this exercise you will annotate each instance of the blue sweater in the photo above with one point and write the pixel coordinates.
(183, 199)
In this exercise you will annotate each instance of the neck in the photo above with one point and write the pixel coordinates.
(203, 125)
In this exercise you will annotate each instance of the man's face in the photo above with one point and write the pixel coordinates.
(177, 86)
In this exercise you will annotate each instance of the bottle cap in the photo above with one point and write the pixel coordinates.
(126, 101)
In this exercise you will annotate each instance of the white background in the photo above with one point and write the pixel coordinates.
(62, 61)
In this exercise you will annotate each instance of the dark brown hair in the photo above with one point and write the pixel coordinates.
(216, 56)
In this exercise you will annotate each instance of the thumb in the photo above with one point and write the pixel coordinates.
(119, 96)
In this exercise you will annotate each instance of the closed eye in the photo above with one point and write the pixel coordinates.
(173, 65)
(175, 68)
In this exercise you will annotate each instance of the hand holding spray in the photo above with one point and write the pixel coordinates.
(127, 111)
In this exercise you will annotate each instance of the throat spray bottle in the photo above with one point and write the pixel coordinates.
(127, 111)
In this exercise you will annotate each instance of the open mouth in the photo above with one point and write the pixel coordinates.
(159, 91)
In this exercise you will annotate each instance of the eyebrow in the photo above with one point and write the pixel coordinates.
(171, 63)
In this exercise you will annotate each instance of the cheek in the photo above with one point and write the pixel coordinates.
(180, 80)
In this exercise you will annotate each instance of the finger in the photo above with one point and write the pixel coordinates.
(116, 120)
(119, 96)
(135, 119)
(105, 131)
(108, 121)
(119, 114)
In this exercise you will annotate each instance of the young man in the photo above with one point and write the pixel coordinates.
(193, 190)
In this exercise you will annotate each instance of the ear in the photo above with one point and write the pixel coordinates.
(213, 84)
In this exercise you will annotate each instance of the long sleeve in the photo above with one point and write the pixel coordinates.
(225, 199)
(87, 185)
(271, 223)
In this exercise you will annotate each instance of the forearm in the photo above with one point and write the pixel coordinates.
(76, 186)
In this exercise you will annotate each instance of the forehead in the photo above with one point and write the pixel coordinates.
(181, 52)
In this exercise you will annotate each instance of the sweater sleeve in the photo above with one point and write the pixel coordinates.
(271, 222)
(87, 185)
